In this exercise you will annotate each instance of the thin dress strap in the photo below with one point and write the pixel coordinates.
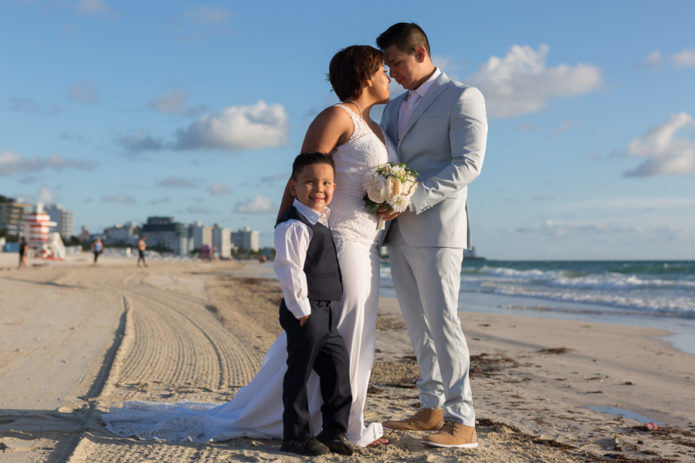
(359, 124)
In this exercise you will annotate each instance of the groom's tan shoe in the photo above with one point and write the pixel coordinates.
(455, 435)
(427, 419)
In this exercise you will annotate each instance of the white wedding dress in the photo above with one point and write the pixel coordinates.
(256, 410)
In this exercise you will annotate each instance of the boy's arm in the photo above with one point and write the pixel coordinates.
(292, 240)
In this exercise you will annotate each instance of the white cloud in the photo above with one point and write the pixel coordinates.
(197, 210)
(84, 92)
(27, 105)
(139, 142)
(685, 59)
(219, 190)
(447, 65)
(118, 198)
(11, 162)
(554, 229)
(256, 205)
(208, 15)
(237, 127)
(170, 103)
(666, 152)
(633, 203)
(93, 7)
(175, 102)
(177, 182)
(46, 196)
(559, 230)
(653, 59)
(521, 82)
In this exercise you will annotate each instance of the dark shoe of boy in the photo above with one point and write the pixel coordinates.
(336, 441)
(309, 446)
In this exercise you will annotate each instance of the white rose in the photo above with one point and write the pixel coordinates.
(399, 171)
(408, 188)
(400, 203)
(376, 189)
(393, 188)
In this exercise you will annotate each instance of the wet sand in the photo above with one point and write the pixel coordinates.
(78, 339)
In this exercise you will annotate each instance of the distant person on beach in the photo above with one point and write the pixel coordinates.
(97, 248)
(440, 128)
(23, 249)
(142, 246)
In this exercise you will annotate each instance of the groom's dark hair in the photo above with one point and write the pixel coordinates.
(405, 36)
(308, 159)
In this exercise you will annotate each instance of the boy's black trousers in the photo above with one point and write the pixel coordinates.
(315, 346)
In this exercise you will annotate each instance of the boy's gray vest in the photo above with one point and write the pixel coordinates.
(321, 264)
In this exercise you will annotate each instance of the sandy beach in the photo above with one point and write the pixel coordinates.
(78, 339)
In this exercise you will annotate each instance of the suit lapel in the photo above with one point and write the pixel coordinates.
(392, 117)
(438, 86)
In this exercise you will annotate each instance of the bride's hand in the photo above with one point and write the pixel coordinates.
(303, 320)
(387, 213)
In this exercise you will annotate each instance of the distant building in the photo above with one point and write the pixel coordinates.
(163, 231)
(221, 240)
(84, 235)
(245, 238)
(12, 214)
(199, 235)
(63, 219)
(128, 233)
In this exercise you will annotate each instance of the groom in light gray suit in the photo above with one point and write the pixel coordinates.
(440, 129)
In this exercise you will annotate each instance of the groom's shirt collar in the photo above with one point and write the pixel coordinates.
(422, 89)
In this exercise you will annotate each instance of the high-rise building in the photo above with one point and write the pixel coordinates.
(245, 238)
(128, 233)
(12, 213)
(199, 235)
(221, 240)
(63, 218)
(163, 231)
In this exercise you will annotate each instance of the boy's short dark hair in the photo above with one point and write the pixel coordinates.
(351, 68)
(405, 36)
(308, 159)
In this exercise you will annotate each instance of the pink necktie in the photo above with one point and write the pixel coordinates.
(407, 111)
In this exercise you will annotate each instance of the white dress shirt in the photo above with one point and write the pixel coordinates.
(292, 240)
(411, 101)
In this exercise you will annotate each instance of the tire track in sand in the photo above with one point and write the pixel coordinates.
(179, 346)
(172, 349)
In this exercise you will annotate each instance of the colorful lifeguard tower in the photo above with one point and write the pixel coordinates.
(37, 231)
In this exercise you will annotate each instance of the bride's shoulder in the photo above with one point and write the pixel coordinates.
(333, 117)
(336, 113)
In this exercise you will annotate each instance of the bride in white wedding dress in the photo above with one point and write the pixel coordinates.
(357, 145)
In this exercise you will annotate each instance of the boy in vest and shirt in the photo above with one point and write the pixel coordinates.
(307, 267)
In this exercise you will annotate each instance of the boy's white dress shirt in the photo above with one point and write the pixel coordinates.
(292, 240)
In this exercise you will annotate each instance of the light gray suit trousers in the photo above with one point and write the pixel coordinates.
(445, 142)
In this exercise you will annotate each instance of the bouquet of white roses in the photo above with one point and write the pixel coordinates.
(392, 185)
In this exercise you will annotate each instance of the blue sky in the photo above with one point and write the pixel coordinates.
(122, 110)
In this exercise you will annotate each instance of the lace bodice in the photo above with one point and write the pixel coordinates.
(359, 155)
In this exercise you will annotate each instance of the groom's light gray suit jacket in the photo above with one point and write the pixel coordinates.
(444, 141)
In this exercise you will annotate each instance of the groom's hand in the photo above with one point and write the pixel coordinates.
(303, 320)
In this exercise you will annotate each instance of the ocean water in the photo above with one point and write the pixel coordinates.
(645, 293)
